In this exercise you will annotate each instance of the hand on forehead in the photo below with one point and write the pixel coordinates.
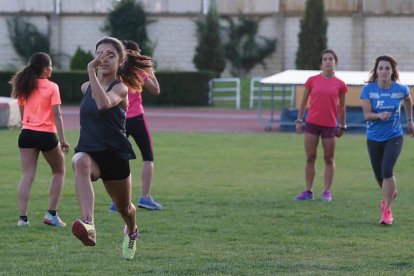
(105, 49)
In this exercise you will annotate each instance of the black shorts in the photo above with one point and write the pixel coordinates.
(111, 166)
(138, 129)
(41, 140)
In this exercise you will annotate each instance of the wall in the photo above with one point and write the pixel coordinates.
(359, 30)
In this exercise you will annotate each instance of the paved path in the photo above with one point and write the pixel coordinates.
(190, 119)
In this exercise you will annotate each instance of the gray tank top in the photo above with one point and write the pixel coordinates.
(103, 130)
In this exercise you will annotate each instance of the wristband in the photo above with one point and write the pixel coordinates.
(343, 127)
(298, 121)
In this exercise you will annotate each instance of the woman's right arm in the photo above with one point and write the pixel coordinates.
(301, 111)
(84, 87)
(369, 115)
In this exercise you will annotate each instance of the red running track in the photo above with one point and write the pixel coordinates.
(202, 119)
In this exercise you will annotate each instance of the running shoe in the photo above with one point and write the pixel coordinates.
(305, 195)
(386, 217)
(129, 245)
(149, 203)
(23, 223)
(326, 196)
(383, 202)
(112, 208)
(53, 220)
(85, 232)
(382, 206)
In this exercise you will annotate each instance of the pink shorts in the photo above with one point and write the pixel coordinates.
(324, 131)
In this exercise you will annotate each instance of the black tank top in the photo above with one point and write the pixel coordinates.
(103, 130)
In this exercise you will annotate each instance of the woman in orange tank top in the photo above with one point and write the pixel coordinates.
(39, 102)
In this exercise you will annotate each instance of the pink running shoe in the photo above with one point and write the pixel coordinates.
(382, 206)
(386, 217)
(383, 202)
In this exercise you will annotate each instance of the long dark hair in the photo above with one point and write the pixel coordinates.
(373, 76)
(24, 81)
(134, 62)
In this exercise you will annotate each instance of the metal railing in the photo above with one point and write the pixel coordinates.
(224, 89)
(267, 93)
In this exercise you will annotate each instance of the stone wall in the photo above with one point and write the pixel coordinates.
(359, 30)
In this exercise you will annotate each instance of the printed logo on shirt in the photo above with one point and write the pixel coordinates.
(374, 96)
(385, 94)
(398, 95)
(379, 104)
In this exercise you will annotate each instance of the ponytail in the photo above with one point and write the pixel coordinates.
(131, 70)
(24, 81)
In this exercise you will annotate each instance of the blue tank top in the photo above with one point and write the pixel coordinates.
(103, 130)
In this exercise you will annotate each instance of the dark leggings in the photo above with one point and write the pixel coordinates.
(138, 129)
(383, 156)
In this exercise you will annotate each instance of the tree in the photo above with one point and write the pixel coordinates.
(128, 21)
(80, 59)
(312, 35)
(209, 52)
(26, 38)
(244, 48)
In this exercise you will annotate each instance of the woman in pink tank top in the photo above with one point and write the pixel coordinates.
(137, 127)
(327, 100)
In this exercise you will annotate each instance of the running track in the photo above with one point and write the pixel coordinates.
(190, 120)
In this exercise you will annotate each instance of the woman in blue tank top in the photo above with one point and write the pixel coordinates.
(381, 100)
(103, 150)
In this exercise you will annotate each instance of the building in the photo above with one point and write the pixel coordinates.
(359, 30)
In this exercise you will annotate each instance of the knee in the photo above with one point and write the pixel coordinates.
(329, 160)
(81, 163)
(27, 179)
(311, 158)
(126, 210)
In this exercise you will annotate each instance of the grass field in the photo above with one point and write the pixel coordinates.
(229, 210)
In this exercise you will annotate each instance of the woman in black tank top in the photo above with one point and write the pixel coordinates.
(103, 150)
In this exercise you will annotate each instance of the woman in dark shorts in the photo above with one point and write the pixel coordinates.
(327, 99)
(103, 150)
(39, 102)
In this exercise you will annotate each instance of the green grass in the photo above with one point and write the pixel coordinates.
(229, 210)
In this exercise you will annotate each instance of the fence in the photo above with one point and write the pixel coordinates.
(261, 92)
(224, 89)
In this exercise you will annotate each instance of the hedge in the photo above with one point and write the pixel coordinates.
(177, 88)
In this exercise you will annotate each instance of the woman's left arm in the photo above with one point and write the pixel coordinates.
(408, 108)
(342, 111)
(342, 115)
(57, 114)
(151, 84)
